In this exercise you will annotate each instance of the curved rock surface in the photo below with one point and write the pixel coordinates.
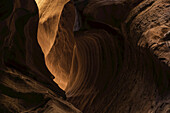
(49, 13)
(26, 85)
(59, 58)
(112, 63)
(122, 79)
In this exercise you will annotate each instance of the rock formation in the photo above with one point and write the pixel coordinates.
(26, 85)
(108, 56)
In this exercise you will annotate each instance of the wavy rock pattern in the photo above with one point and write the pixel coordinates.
(108, 75)
(112, 74)
(106, 66)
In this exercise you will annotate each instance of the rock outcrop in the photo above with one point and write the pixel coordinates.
(148, 26)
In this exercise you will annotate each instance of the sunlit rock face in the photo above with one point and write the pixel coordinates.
(57, 46)
(26, 85)
(59, 58)
(19, 45)
(49, 13)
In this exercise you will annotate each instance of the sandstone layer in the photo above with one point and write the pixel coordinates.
(108, 56)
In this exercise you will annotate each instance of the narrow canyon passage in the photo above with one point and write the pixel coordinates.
(101, 68)
(90, 56)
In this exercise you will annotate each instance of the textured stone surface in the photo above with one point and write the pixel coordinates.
(157, 39)
(26, 85)
(106, 66)
(59, 58)
(49, 14)
(20, 93)
(148, 23)
(19, 43)
(123, 79)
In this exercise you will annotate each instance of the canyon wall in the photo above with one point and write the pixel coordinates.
(110, 56)
(112, 69)
(26, 85)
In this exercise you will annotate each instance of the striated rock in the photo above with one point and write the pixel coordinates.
(112, 74)
(109, 75)
(116, 61)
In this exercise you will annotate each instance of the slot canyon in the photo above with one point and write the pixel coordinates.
(84, 56)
